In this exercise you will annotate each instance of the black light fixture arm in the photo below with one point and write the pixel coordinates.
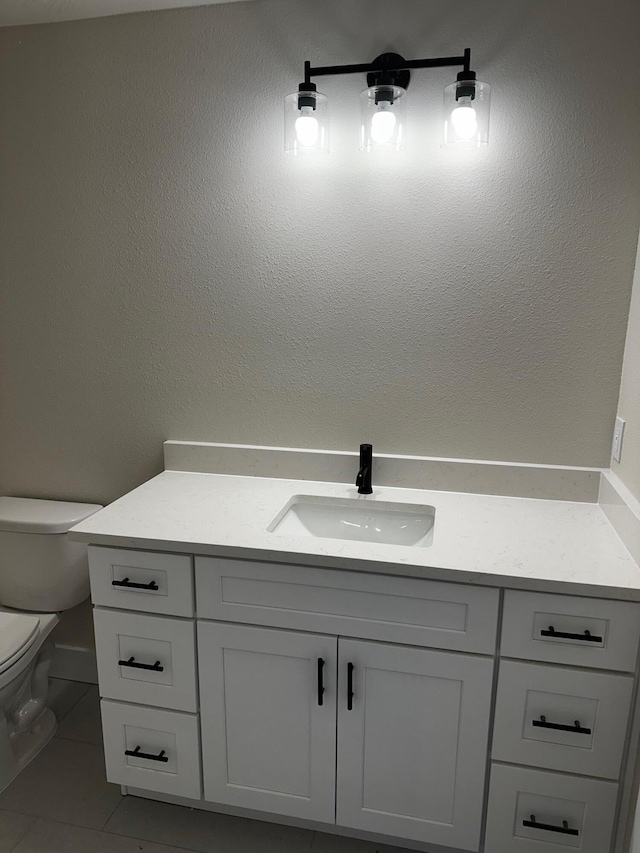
(389, 62)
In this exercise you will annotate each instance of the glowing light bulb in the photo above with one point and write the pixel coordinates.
(383, 123)
(465, 122)
(307, 128)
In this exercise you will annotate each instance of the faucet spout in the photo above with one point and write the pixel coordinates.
(363, 480)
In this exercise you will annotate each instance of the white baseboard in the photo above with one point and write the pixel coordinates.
(74, 664)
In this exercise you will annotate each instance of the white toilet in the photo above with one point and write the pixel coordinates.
(41, 572)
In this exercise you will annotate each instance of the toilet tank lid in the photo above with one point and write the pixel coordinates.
(28, 515)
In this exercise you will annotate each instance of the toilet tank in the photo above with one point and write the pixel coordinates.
(41, 569)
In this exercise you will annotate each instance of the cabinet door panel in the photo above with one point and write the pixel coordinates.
(412, 752)
(267, 742)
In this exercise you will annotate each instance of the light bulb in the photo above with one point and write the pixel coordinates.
(465, 122)
(383, 123)
(307, 127)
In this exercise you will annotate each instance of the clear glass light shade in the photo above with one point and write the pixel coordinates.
(306, 123)
(383, 119)
(466, 114)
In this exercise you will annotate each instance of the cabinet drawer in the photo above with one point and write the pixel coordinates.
(141, 580)
(537, 710)
(534, 812)
(151, 749)
(399, 610)
(146, 659)
(578, 631)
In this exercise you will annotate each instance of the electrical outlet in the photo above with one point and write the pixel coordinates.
(618, 434)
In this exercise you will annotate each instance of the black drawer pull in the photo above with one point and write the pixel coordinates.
(137, 754)
(587, 637)
(350, 669)
(559, 727)
(320, 681)
(131, 585)
(549, 827)
(154, 667)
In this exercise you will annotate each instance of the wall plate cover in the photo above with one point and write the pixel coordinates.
(618, 434)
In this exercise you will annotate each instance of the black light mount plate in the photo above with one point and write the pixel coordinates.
(382, 73)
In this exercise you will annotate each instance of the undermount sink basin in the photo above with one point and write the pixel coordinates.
(356, 520)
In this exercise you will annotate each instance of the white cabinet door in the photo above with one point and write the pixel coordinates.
(412, 742)
(268, 730)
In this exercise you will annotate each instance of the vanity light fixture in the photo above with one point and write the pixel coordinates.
(383, 122)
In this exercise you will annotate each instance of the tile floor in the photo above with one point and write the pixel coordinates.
(61, 803)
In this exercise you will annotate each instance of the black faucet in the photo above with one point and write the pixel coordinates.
(363, 480)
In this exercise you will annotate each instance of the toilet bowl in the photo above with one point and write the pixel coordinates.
(26, 724)
(40, 570)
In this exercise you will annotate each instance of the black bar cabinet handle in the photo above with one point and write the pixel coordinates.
(131, 585)
(586, 637)
(137, 754)
(350, 669)
(320, 681)
(154, 667)
(559, 727)
(549, 827)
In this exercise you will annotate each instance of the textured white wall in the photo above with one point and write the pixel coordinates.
(628, 469)
(167, 272)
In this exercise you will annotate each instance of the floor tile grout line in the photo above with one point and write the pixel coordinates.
(37, 820)
(121, 802)
(177, 846)
(58, 736)
(22, 814)
(146, 841)
(33, 821)
(114, 810)
(77, 740)
(78, 700)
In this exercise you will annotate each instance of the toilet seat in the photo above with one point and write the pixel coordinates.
(18, 632)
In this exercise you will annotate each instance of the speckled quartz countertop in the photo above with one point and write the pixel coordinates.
(543, 545)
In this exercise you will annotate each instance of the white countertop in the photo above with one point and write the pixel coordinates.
(523, 543)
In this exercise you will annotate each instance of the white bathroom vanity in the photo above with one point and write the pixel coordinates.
(472, 692)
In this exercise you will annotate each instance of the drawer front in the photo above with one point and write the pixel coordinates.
(151, 749)
(399, 610)
(146, 659)
(586, 632)
(141, 580)
(561, 719)
(531, 811)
